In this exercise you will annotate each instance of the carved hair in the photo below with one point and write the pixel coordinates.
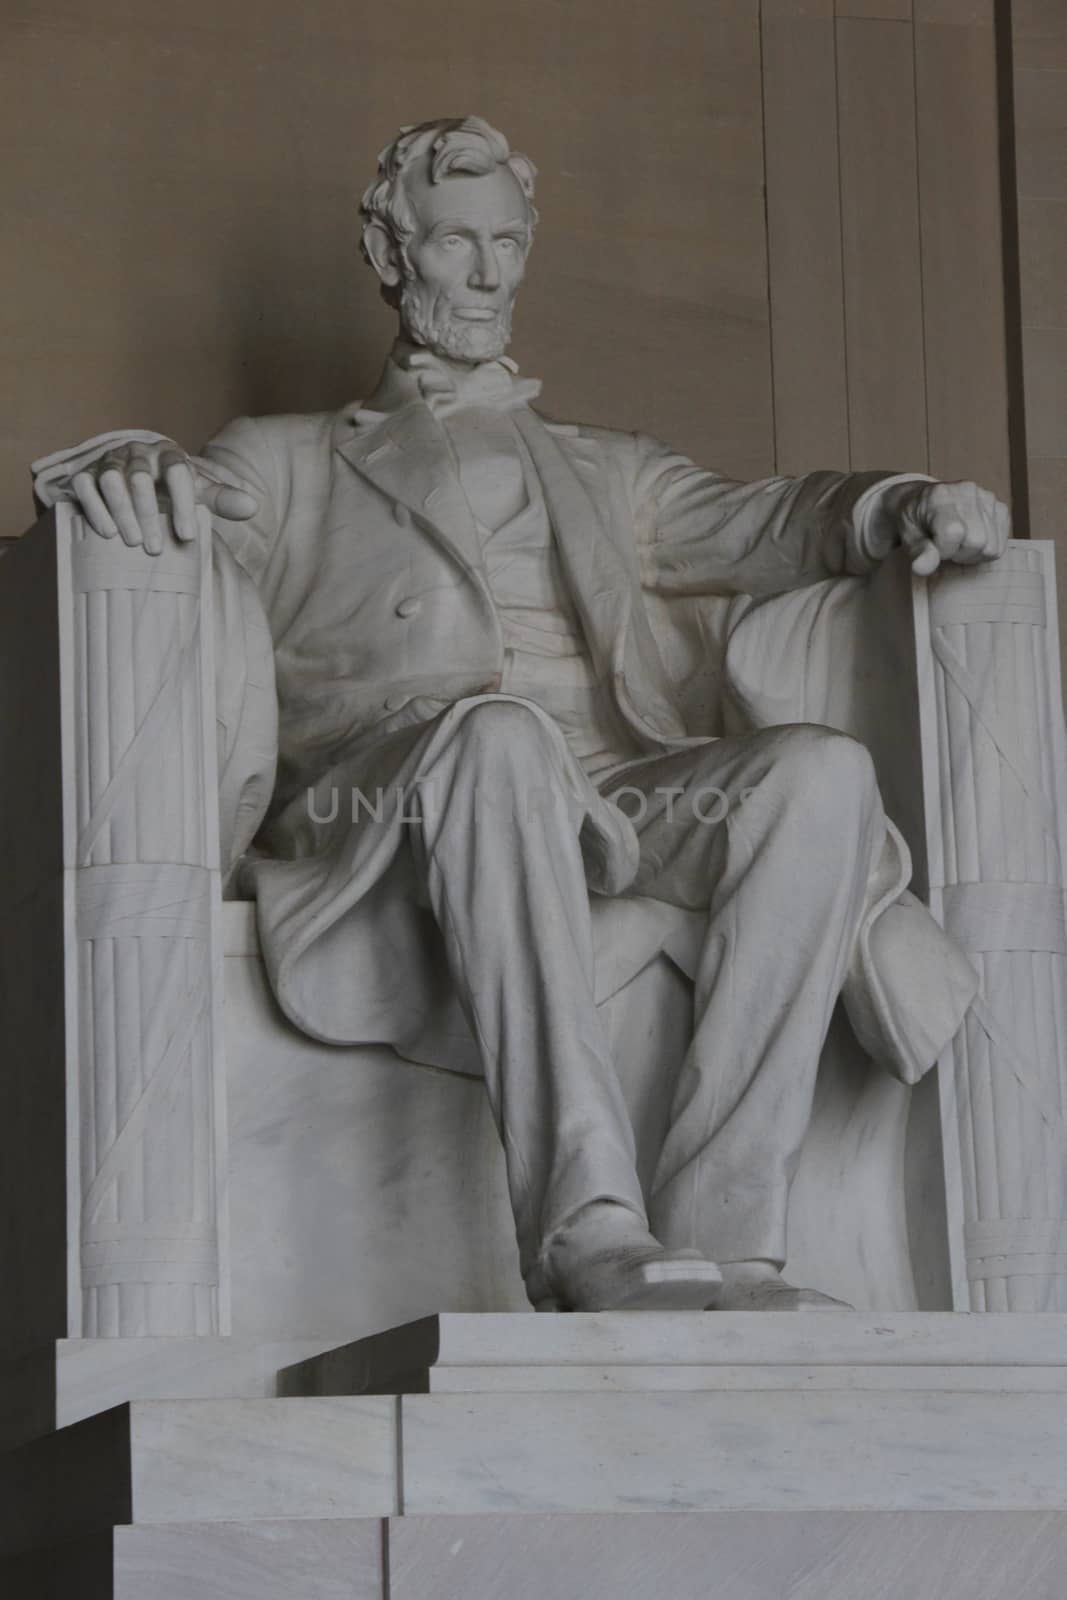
(453, 144)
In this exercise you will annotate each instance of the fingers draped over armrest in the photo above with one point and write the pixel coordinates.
(53, 475)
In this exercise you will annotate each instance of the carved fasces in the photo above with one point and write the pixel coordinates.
(142, 867)
(995, 780)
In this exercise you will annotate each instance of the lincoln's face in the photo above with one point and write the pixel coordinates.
(464, 263)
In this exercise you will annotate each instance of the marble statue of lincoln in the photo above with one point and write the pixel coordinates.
(456, 590)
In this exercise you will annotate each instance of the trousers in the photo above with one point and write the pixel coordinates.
(775, 836)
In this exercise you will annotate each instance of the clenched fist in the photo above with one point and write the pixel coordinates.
(939, 522)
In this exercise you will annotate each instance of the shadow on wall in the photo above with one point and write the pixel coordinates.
(306, 329)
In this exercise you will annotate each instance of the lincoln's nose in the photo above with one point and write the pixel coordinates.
(485, 273)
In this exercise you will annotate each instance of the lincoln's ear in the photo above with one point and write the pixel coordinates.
(382, 252)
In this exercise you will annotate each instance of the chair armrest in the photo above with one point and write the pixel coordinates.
(139, 852)
(995, 790)
(954, 684)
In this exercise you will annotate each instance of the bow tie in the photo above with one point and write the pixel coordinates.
(492, 384)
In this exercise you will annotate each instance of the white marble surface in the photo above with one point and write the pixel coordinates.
(143, 936)
(220, 1460)
(70, 1379)
(201, 1460)
(319, 1559)
(315, 1560)
(844, 1555)
(994, 781)
(631, 1379)
(779, 1450)
(585, 1415)
(364, 1190)
(693, 1339)
(928, 1555)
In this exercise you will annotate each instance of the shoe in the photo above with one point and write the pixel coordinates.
(605, 1259)
(772, 1293)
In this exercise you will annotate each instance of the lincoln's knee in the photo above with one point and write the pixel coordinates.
(825, 772)
(504, 736)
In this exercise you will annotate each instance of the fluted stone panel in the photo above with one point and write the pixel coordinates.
(995, 779)
(141, 853)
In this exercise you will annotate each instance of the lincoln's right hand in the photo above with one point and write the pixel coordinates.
(120, 494)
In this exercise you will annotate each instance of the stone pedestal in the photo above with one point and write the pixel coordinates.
(639, 1454)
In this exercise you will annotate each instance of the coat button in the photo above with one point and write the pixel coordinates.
(396, 702)
(409, 608)
(402, 515)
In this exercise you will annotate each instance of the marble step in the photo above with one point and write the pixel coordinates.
(774, 1450)
(65, 1380)
(165, 1461)
(926, 1555)
(693, 1350)
(631, 1379)
(786, 1555)
(321, 1559)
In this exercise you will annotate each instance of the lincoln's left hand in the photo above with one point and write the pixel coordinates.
(948, 522)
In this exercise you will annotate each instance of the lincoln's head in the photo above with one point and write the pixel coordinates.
(447, 226)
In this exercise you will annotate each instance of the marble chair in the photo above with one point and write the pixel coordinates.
(178, 1161)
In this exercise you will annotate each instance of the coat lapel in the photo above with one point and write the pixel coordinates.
(574, 491)
(605, 593)
(408, 458)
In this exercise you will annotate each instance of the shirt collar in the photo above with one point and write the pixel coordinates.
(413, 373)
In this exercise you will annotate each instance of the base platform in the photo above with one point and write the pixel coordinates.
(826, 1453)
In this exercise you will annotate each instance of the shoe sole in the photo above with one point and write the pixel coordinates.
(658, 1286)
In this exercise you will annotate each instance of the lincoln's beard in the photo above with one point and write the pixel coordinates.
(434, 326)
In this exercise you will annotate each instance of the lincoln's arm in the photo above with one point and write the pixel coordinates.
(241, 457)
(700, 532)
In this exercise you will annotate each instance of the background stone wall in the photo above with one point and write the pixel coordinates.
(1040, 84)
